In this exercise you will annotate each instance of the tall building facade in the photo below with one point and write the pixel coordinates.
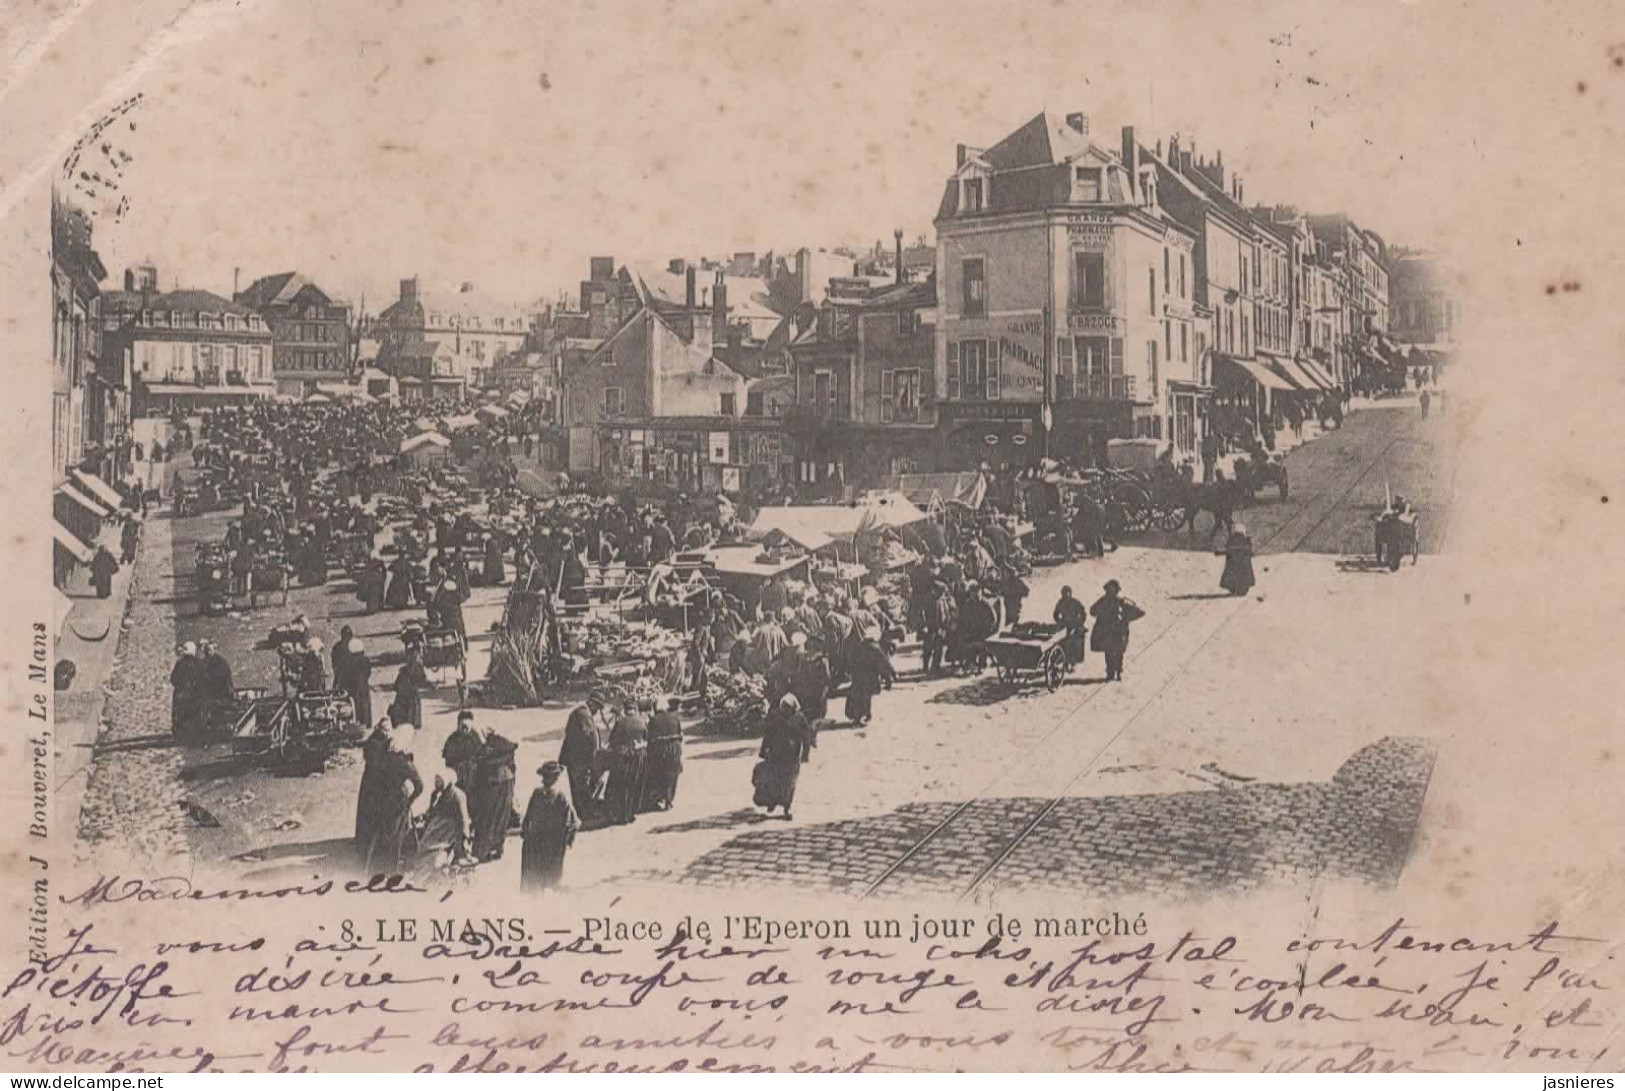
(187, 350)
(310, 332)
(1068, 305)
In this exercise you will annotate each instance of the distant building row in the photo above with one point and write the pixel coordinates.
(1079, 295)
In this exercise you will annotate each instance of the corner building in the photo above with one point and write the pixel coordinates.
(1067, 313)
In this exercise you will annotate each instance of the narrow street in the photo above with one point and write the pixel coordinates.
(1182, 778)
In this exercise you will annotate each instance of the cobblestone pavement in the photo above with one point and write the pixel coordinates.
(1358, 826)
(132, 798)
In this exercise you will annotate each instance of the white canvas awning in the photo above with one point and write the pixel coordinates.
(70, 542)
(424, 439)
(83, 501)
(98, 488)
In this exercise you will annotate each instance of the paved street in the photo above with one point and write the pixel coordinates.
(1251, 741)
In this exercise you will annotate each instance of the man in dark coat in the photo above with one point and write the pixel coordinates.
(870, 669)
(187, 682)
(102, 568)
(1113, 614)
(130, 537)
(462, 750)
(218, 690)
(580, 750)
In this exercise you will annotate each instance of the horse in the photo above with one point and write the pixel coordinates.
(1216, 497)
(1257, 472)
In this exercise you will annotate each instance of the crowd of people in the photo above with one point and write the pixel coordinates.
(320, 487)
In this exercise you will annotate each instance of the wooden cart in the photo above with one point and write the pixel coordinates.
(1031, 651)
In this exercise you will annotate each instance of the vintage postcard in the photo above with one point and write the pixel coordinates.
(783, 537)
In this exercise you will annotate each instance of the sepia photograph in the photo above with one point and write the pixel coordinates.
(521, 462)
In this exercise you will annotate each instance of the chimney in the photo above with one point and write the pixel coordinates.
(236, 273)
(129, 280)
(961, 154)
(1131, 160)
(898, 236)
(719, 309)
(1241, 194)
(1078, 123)
(676, 265)
(689, 295)
(409, 290)
(1159, 149)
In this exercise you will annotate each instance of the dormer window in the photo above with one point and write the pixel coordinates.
(1086, 185)
(1148, 189)
(974, 194)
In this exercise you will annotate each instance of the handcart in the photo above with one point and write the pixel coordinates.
(1030, 651)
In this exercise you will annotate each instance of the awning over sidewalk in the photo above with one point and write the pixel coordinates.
(1294, 373)
(98, 488)
(1257, 372)
(70, 542)
(1317, 373)
(83, 501)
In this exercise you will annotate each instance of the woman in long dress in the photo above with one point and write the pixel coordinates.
(448, 828)
(869, 669)
(491, 800)
(366, 801)
(398, 787)
(410, 682)
(358, 680)
(549, 830)
(786, 745)
(1238, 561)
(664, 763)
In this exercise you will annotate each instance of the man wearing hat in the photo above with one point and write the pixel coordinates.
(1113, 614)
(547, 833)
(579, 754)
(186, 681)
(218, 691)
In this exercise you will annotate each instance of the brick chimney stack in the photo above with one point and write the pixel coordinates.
(719, 310)
(1131, 160)
(897, 236)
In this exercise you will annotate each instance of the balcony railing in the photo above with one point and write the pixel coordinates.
(1094, 387)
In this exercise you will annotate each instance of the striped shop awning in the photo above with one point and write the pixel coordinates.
(83, 501)
(98, 488)
(69, 541)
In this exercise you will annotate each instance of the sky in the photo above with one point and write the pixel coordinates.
(504, 144)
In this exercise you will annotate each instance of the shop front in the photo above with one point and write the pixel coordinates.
(1005, 435)
(1188, 405)
(1084, 428)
